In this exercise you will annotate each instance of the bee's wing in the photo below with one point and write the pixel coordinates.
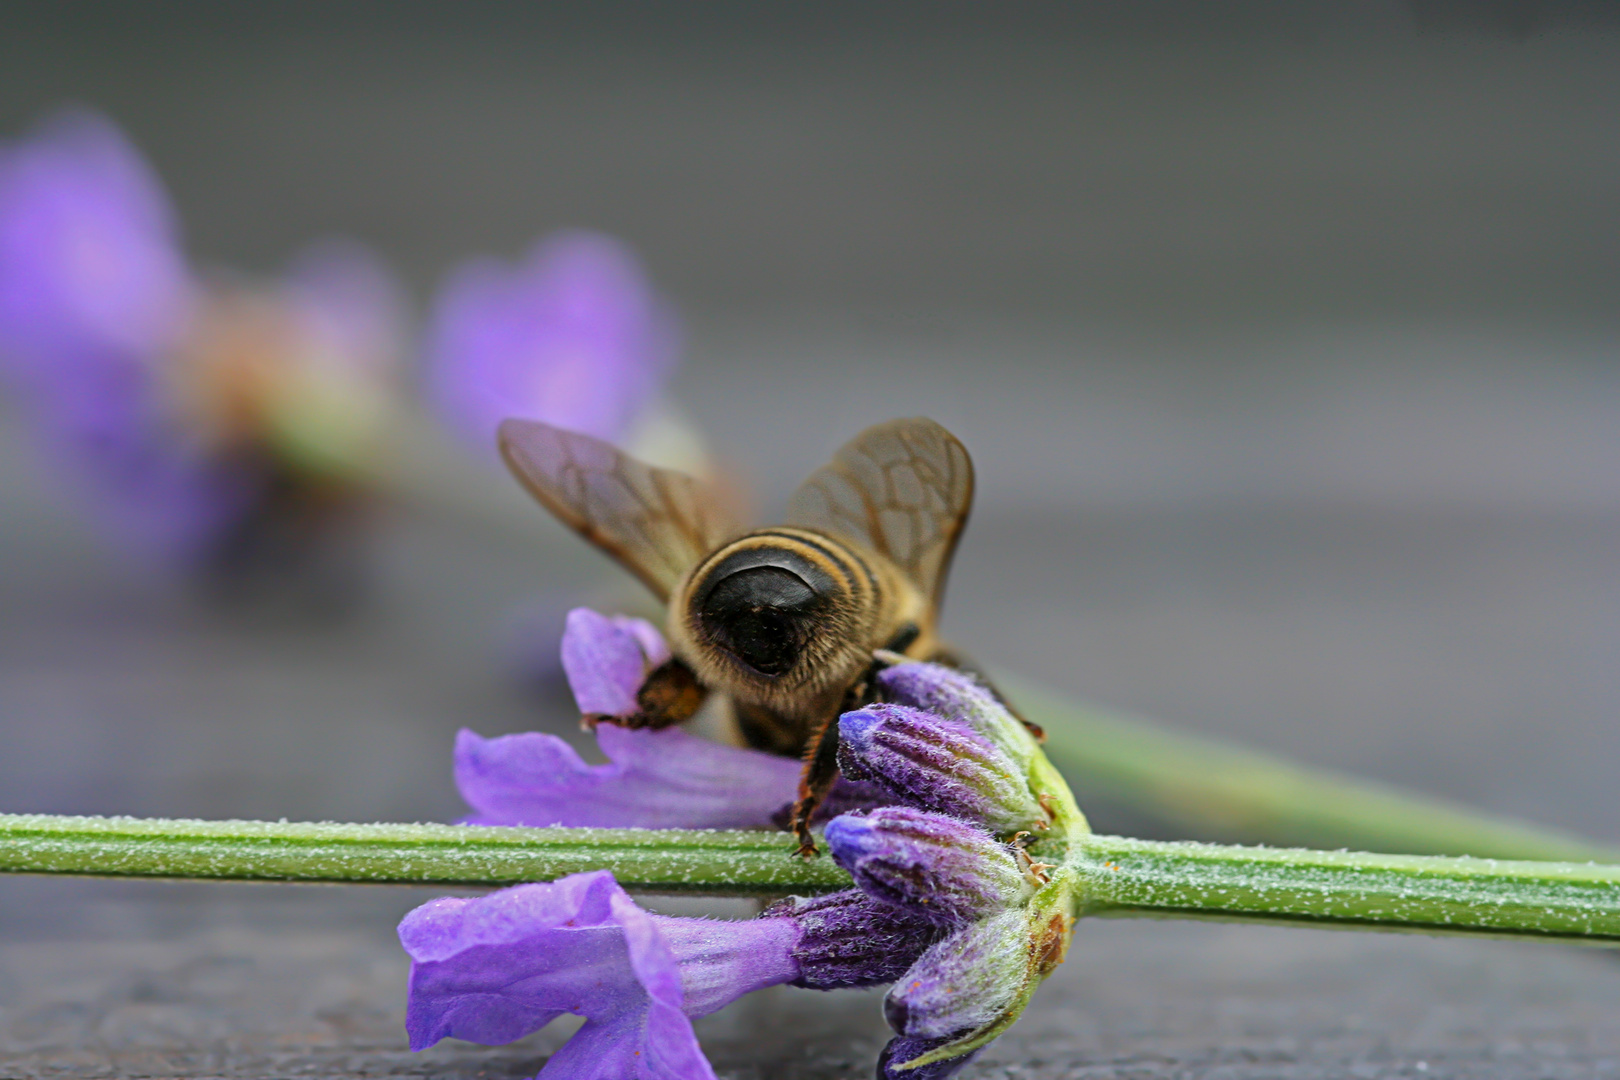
(902, 488)
(655, 522)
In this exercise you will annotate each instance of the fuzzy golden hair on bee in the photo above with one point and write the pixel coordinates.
(786, 617)
(783, 621)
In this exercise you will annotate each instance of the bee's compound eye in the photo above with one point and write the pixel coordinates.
(762, 615)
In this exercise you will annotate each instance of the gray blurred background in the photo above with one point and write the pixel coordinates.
(1285, 338)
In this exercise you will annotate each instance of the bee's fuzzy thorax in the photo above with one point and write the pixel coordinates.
(863, 600)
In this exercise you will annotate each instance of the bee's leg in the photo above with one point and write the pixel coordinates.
(820, 773)
(671, 694)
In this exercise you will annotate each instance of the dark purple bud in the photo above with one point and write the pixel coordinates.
(937, 764)
(964, 982)
(901, 1050)
(947, 871)
(956, 695)
(848, 939)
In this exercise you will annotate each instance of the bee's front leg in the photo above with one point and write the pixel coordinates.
(671, 694)
(821, 752)
(819, 775)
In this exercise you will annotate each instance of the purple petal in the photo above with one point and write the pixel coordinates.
(89, 255)
(607, 658)
(495, 968)
(655, 779)
(573, 336)
(720, 961)
(937, 764)
(965, 981)
(946, 870)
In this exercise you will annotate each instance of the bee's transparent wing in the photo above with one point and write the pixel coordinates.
(902, 488)
(655, 522)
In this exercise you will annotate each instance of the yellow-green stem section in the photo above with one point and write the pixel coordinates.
(1564, 901)
(1212, 790)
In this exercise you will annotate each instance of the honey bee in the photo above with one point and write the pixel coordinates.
(783, 621)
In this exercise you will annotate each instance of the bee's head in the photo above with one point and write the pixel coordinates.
(771, 613)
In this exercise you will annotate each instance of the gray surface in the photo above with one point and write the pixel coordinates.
(1284, 339)
(157, 980)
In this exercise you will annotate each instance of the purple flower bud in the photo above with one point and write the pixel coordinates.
(901, 1050)
(945, 870)
(964, 982)
(937, 764)
(956, 695)
(848, 939)
(607, 659)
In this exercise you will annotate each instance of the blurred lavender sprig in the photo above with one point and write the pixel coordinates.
(189, 413)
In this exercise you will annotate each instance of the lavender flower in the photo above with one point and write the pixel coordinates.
(496, 968)
(574, 336)
(892, 1063)
(955, 695)
(962, 983)
(193, 417)
(955, 909)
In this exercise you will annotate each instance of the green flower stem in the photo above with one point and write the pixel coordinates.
(1120, 877)
(725, 863)
(1213, 790)
(1577, 902)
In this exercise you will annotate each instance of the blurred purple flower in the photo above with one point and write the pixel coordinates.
(93, 291)
(573, 335)
(134, 371)
(90, 262)
(496, 968)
